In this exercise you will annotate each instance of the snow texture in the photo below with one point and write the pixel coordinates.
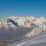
(37, 40)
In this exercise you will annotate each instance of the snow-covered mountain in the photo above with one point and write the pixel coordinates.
(21, 21)
(16, 27)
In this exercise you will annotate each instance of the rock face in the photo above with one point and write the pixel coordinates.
(16, 27)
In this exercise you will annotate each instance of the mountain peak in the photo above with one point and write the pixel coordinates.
(22, 21)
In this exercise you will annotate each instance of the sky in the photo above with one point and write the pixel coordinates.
(36, 8)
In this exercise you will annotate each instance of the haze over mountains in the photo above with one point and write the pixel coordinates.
(19, 27)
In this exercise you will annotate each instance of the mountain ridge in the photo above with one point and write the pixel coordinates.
(23, 21)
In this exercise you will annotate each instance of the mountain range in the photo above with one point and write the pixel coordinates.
(21, 27)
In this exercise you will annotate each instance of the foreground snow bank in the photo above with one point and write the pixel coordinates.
(37, 40)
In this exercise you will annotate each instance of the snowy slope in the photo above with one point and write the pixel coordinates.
(37, 40)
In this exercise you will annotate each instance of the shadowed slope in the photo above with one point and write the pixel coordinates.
(13, 22)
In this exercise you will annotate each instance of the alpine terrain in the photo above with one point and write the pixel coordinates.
(13, 28)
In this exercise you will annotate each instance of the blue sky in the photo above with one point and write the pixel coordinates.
(36, 8)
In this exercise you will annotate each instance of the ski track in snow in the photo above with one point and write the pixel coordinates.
(30, 41)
